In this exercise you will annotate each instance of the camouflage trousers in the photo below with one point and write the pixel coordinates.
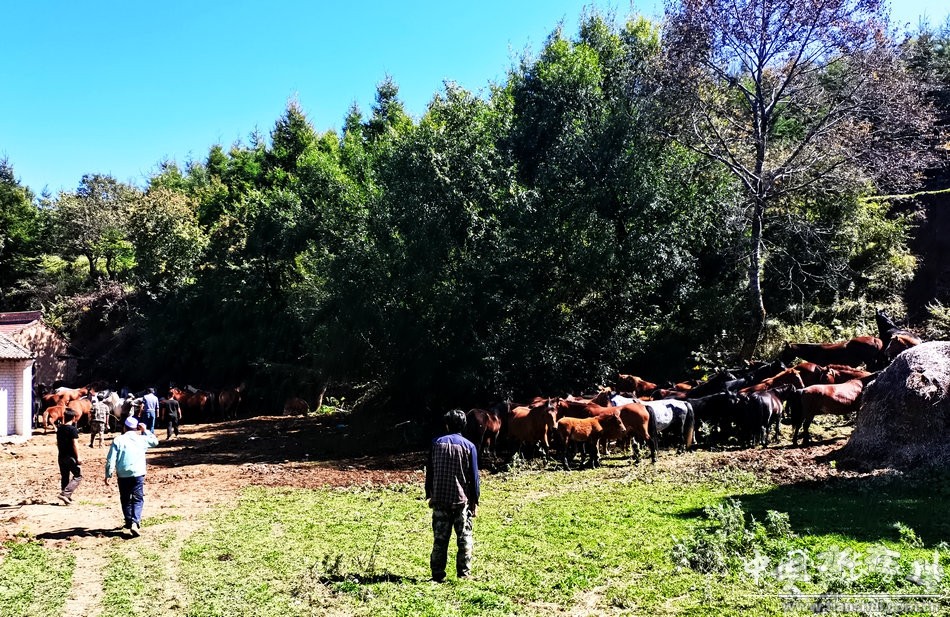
(443, 521)
(96, 429)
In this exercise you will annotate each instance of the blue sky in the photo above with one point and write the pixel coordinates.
(115, 87)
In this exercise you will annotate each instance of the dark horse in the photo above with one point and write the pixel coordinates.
(764, 410)
(893, 338)
(855, 352)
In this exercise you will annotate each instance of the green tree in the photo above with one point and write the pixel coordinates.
(95, 223)
(791, 96)
(21, 226)
(167, 239)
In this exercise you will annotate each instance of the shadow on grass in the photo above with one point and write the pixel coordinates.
(283, 439)
(861, 508)
(83, 532)
(366, 579)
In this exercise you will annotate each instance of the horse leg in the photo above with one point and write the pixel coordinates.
(806, 424)
(595, 458)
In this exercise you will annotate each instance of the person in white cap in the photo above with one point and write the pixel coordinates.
(126, 459)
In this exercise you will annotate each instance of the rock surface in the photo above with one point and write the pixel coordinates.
(904, 420)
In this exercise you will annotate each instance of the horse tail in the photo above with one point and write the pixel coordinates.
(689, 427)
(653, 436)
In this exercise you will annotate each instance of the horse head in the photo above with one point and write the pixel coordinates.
(787, 354)
(884, 321)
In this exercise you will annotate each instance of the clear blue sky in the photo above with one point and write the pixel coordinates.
(115, 87)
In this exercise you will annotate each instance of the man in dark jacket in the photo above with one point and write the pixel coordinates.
(67, 438)
(452, 488)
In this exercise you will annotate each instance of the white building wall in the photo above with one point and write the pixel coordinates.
(24, 424)
(16, 398)
(8, 390)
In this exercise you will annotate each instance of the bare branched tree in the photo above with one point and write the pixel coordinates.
(792, 96)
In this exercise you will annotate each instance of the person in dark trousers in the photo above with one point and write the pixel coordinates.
(126, 459)
(174, 416)
(150, 409)
(99, 421)
(67, 444)
(452, 489)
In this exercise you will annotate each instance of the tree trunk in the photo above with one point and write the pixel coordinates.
(93, 269)
(323, 392)
(756, 305)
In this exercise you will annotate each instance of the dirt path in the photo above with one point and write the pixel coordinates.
(187, 477)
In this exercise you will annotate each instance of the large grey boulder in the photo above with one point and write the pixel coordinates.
(904, 419)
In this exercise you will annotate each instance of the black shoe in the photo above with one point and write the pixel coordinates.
(66, 499)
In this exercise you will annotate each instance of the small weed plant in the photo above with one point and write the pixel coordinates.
(729, 540)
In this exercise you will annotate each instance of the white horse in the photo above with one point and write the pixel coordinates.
(114, 402)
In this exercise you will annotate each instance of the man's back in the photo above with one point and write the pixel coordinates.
(127, 454)
(65, 435)
(452, 474)
(150, 403)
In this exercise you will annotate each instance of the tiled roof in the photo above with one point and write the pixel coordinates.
(20, 317)
(11, 323)
(12, 351)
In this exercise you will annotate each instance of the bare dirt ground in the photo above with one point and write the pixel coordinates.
(209, 464)
(206, 465)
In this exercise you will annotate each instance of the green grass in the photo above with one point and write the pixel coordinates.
(546, 542)
(34, 580)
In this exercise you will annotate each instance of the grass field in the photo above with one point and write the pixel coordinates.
(617, 540)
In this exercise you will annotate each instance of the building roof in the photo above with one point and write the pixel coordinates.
(14, 322)
(12, 351)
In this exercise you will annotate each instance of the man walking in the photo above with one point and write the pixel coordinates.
(452, 488)
(67, 445)
(126, 458)
(174, 416)
(97, 425)
(150, 409)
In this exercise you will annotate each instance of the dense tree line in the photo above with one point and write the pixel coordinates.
(591, 214)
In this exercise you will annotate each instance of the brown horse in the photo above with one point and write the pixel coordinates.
(812, 373)
(196, 404)
(789, 376)
(82, 407)
(635, 385)
(482, 428)
(855, 352)
(601, 398)
(899, 343)
(63, 396)
(588, 431)
(839, 399)
(639, 422)
(52, 415)
(229, 400)
(530, 425)
(840, 373)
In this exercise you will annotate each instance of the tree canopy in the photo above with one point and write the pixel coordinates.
(607, 208)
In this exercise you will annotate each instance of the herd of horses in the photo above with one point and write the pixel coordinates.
(742, 406)
(739, 405)
(196, 405)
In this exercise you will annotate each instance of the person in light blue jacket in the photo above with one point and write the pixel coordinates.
(126, 459)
